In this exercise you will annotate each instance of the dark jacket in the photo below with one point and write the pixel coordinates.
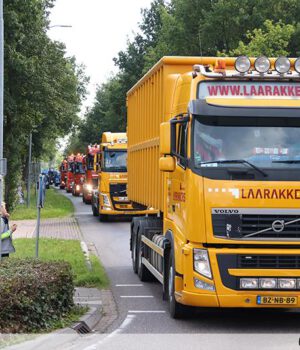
(7, 244)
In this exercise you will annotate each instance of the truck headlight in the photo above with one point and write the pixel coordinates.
(89, 187)
(77, 187)
(201, 262)
(106, 201)
(203, 285)
(287, 283)
(268, 283)
(249, 283)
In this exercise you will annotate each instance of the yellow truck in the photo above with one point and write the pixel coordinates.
(214, 145)
(110, 199)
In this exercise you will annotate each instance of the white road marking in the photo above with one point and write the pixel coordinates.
(129, 285)
(136, 296)
(146, 311)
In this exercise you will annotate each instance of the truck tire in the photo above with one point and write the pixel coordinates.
(134, 251)
(83, 198)
(94, 210)
(176, 310)
(103, 217)
(142, 271)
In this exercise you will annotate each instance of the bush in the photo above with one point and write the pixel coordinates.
(33, 294)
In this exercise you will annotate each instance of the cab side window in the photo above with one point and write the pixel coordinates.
(182, 144)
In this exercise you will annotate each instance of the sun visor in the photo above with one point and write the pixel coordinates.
(247, 102)
(202, 108)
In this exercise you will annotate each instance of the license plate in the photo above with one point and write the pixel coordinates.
(273, 300)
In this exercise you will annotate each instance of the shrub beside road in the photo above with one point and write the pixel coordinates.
(34, 294)
(37, 294)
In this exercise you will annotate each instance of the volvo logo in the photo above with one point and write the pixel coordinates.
(278, 225)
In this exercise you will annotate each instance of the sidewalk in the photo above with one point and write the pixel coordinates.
(62, 228)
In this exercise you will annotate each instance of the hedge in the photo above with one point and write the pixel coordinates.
(33, 294)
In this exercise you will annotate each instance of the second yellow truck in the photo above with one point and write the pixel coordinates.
(214, 145)
(110, 199)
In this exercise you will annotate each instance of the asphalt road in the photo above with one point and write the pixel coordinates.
(143, 321)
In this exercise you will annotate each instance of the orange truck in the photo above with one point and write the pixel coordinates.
(63, 172)
(78, 175)
(69, 174)
(91, 176)
(214, 145)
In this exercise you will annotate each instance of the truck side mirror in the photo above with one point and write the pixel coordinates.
(165, 138)
(167, 164)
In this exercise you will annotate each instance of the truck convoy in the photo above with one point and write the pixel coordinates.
(78, 175)
(214, 145)
(91, 176)
(110, 199)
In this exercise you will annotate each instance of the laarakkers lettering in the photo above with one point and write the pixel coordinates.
(267, 193)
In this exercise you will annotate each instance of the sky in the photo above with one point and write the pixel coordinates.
(99, 30)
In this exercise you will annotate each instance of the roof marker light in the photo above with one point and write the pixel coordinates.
(297, 65)
(262, 64)
(282, 64)
(242, 64)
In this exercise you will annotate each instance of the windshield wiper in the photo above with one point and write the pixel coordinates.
(289, 161)
(237, 161)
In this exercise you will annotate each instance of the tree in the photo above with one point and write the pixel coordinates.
(272, 41)
(42, 88)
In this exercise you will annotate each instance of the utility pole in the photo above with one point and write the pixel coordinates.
(29, 171)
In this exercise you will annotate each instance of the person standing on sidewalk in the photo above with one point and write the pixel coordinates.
(7, 246)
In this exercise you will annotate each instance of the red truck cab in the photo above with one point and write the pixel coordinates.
(63, 172)
(91, 176)
(79, 174)
(69, 174)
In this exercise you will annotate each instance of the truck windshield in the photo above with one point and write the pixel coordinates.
(79, 168)
(264, 142)
(115, 161)
(90, 162)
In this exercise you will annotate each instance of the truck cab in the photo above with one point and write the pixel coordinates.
(70, 174)
(63, 172)
(226, 144)
(110, 200)
(78, 175)
(91, 176)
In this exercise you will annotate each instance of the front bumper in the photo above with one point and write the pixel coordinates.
(223, 296)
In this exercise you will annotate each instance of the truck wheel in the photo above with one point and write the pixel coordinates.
(103, 217)
(133, 254)
(143, 273)
(176, 310)
(83, 198)
(94, 210)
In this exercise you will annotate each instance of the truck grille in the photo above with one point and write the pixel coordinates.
(269, 261)
(118, 190)
(254, 226)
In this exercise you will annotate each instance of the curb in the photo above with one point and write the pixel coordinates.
(88, 321)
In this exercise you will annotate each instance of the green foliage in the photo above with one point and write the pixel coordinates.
(33, 294)
(271, 41)
(65, 250)
(43, 88)
(191, 28)
(56, 206)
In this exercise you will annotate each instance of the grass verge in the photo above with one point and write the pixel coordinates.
(66, 250)
(56, 206)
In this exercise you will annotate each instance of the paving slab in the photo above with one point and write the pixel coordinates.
(61, 228)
